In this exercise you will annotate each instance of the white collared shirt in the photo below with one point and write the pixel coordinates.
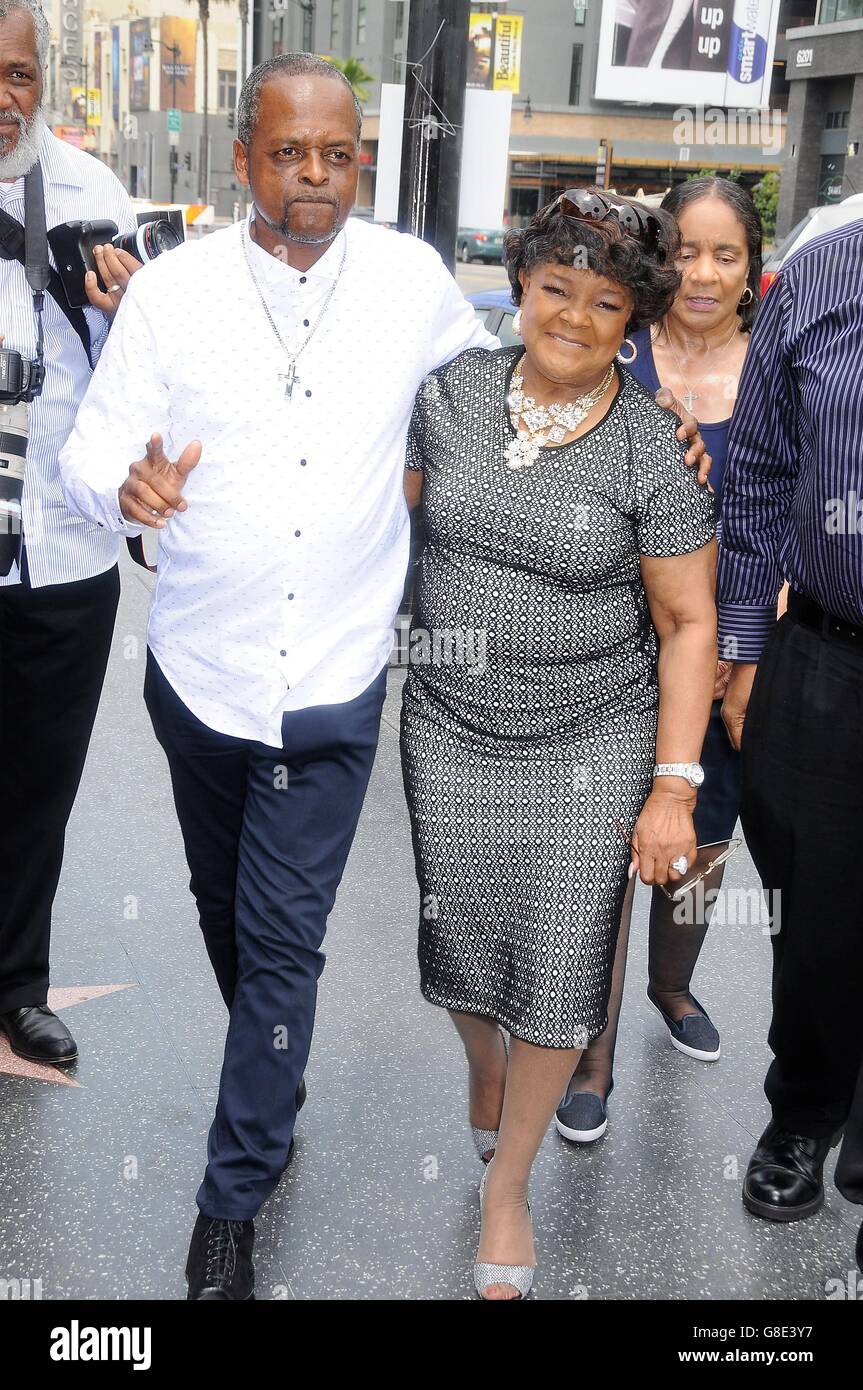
(277, 589)
(61, 546)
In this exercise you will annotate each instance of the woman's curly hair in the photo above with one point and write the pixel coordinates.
(647, 272)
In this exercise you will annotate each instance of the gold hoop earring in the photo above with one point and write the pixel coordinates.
(627, 360)
(743, 298)
(516, 323)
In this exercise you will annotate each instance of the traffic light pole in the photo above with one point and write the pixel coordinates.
(433, 120)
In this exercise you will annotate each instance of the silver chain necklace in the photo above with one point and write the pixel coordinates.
(290, 377)
(689, 396)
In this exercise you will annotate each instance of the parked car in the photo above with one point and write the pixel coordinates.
(474, 244)
(815, 223)
(496, 310)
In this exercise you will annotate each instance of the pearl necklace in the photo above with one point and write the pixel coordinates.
(545, 424)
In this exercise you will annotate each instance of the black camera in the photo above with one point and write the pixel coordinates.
(20, 379)
(73, 245)
(13, 460)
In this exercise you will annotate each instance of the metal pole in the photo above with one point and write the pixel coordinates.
(434, 116)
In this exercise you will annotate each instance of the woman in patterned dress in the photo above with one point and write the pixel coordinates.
(567, 632)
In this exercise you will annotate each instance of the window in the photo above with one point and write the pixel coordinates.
(833, 11)
(362, 20)
(836, 120)
(400, 19)
(580, 13)
(575, 75)
(336, 25)
(227, 89)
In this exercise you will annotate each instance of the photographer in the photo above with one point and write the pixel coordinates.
(59, 583)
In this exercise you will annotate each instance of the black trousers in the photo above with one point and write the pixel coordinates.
(802, 813)
(54, 646)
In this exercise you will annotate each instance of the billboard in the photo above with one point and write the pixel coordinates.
(177, 71)
(72, 134)
(687, 52)
(494, 51)
(87, 105)
(139, 65)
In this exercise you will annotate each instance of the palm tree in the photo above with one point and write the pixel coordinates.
(356, 73)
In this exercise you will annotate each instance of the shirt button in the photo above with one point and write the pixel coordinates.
(305, 323)
(283, 652)
(308, 393)
(296, 533)
(302, 279)
(303, 462)
(290, 596)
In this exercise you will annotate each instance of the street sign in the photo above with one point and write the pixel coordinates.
(130, 126)
(174, 119)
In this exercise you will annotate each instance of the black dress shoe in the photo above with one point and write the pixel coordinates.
(219, 1267)
(784, 1178)
(38, 1035)
(301, 1094)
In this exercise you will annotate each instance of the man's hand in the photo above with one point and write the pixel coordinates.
(152, 493)
(116, 268)
(688, 433)
(736, 701)
(723, 675)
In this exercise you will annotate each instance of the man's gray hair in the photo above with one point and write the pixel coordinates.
(34, 9)
(283, 65)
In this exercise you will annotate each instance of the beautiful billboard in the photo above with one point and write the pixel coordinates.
(687, 52)
(179, 39)
(494, 51)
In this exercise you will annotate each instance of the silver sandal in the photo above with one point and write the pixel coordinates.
(519, 1276)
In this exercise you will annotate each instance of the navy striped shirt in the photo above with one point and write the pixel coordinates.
(792, 504)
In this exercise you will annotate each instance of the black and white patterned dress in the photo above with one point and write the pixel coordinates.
(529, 713)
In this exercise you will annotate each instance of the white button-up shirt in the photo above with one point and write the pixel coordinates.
(61, 546)
(277, 589)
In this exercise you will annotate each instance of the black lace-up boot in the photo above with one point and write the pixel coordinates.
(220, 1260)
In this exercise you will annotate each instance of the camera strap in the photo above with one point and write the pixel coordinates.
(29, 246)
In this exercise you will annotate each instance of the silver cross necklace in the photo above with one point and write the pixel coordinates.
(290, 377)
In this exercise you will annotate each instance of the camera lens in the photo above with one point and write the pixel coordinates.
(149, 241)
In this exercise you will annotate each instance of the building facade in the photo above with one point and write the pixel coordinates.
(557, 122)
(127, 83)
(825, 111)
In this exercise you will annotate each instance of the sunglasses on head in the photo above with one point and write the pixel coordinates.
(593, 207)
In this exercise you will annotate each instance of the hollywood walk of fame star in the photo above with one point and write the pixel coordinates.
(58, 999)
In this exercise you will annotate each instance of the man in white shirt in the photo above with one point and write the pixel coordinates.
(58, 572)
(278, 360)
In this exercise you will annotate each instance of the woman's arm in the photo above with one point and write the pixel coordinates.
(680, 592)
(413, 487)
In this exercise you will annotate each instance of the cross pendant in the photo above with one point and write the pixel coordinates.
(688, 398)
(289, 378)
